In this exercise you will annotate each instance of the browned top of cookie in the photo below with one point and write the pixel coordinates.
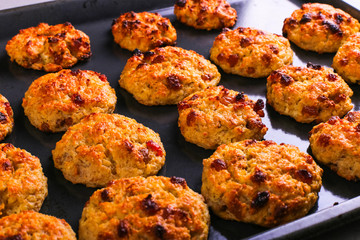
(49, 48)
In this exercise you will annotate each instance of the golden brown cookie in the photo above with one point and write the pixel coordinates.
(23, 185)
(145, 208)
(218, 115)
(6, 118)
(347, 59)
(56, 101)
(103, 147)
(260, 182)
(49, 48)
(205, 14)
(143, 31)
(319, 27)
(250, 52)
(167, 75)
(35, 226)
(336, 143)
(307, 94)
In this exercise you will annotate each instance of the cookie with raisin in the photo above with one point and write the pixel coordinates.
(250, 52)
(319, 27)
(145, 208)
(167, 75)
(263, 183)
(6, 118)
(59, 100)
(143, 31)
(335, 143)
(103, 147)
(308, 94)
(49, 47)
(218, 115)
(205, 14)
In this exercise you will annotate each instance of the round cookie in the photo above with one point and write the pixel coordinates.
(145, 208)
(319, 27)
(307, 94)
(6, 118)
(336, 142)
(35, 226)
(23, 185)
(167, 75)
(250, 52)
(205, 14)
(143, 31)
(56, 101)
(347, 59)
(260, 182)
(218, 116)
(103, 147)
(49, 48)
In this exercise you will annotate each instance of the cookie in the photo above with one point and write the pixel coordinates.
(167, 75)
(205, 14)
(145, 208)
(264, 183)
(59, 100)
(103, 147)
(6, 118)
(319, 27)
(143, 31)
(49, 47)
(335, 144)
(23, 185)
(34, 226)
(218, 116)
(347, 59)
(250, 52)
(308, 94)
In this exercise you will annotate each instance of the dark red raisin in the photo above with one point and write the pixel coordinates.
(322, 98)
(313, 66)
(123, 229)
(324, 140)
(344, 62)
(191, 117)
(195, 96)
(158, 59)
(218, 165)
(3, 118)
(304, 175)
(305, 18)
(180, 3)
(259, 105)
(285, 79)
(274, 49)
(333, 27)
(6, 165)
(310, 110)
(254, 124)
(149, 206)
(258, 176)
(357, 128)
(332, 77)
(136, 52)
(338, 18)
(183, 105)
(53, 39)
(351, 117)
(245, 42)
(266, 58)
(220, 57)
(145, 155)
(292, 22)
(128, 145)
(77, 99)
(260, 199)
(178, 180)
(240, 97)
(148, 54)
(333, 120)
(206, 77)
(233, 59)
(173, 82)
(160, 231)
(105, 195)
(155, 147)
(14, 237)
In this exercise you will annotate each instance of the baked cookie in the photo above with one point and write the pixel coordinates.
(336, 143)
(103, 147)
(143, 31)
(319, 27)
(56, 101)
(6, 118)
(205, 14)
(145, 208)
(250, 52)
(347, 59)
(35, 226)
(49, 48)
(167, 75)
(307, 94)
(218, 116)
(260, 182)
(23, 185)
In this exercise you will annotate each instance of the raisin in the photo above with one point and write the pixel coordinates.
(3, 118)
(245, 42)
(259, 105)
(333, 120)
(324, 140)
(309, 159)
(183, 105)
(322, 98)
(310, 110)
(149, 206)
(333, 27)
(158, 59)
(240, 97)
(178, 180)
(220, 57)
(249, 142)
(145, 155)
(357, 128)
(292, 22)
(123, 229)
(14, 237)
(173, 82)
(260, 199)
(281, 211)
(206, 77)
(258, 176)
(274, 49)
(266, 58)
(304, 175)
(180, 3)
(195, 96)
(332, 77)
(53, 39)
(250, 70)
(338, 18)
(136, 52)
(218, 164)
(313, 66)
(233, 59)
(191, 117)
(254, 124)
(160, 231)
(305, 18)
(77, 99)
(148, 54)
(6, 165)
(351, 117)
(285, 79)
(105, 195)
(344, 62)
(155, 147)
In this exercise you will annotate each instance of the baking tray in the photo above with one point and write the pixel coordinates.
(338, 202)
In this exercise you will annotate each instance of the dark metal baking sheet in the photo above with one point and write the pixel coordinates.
(66, 200)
